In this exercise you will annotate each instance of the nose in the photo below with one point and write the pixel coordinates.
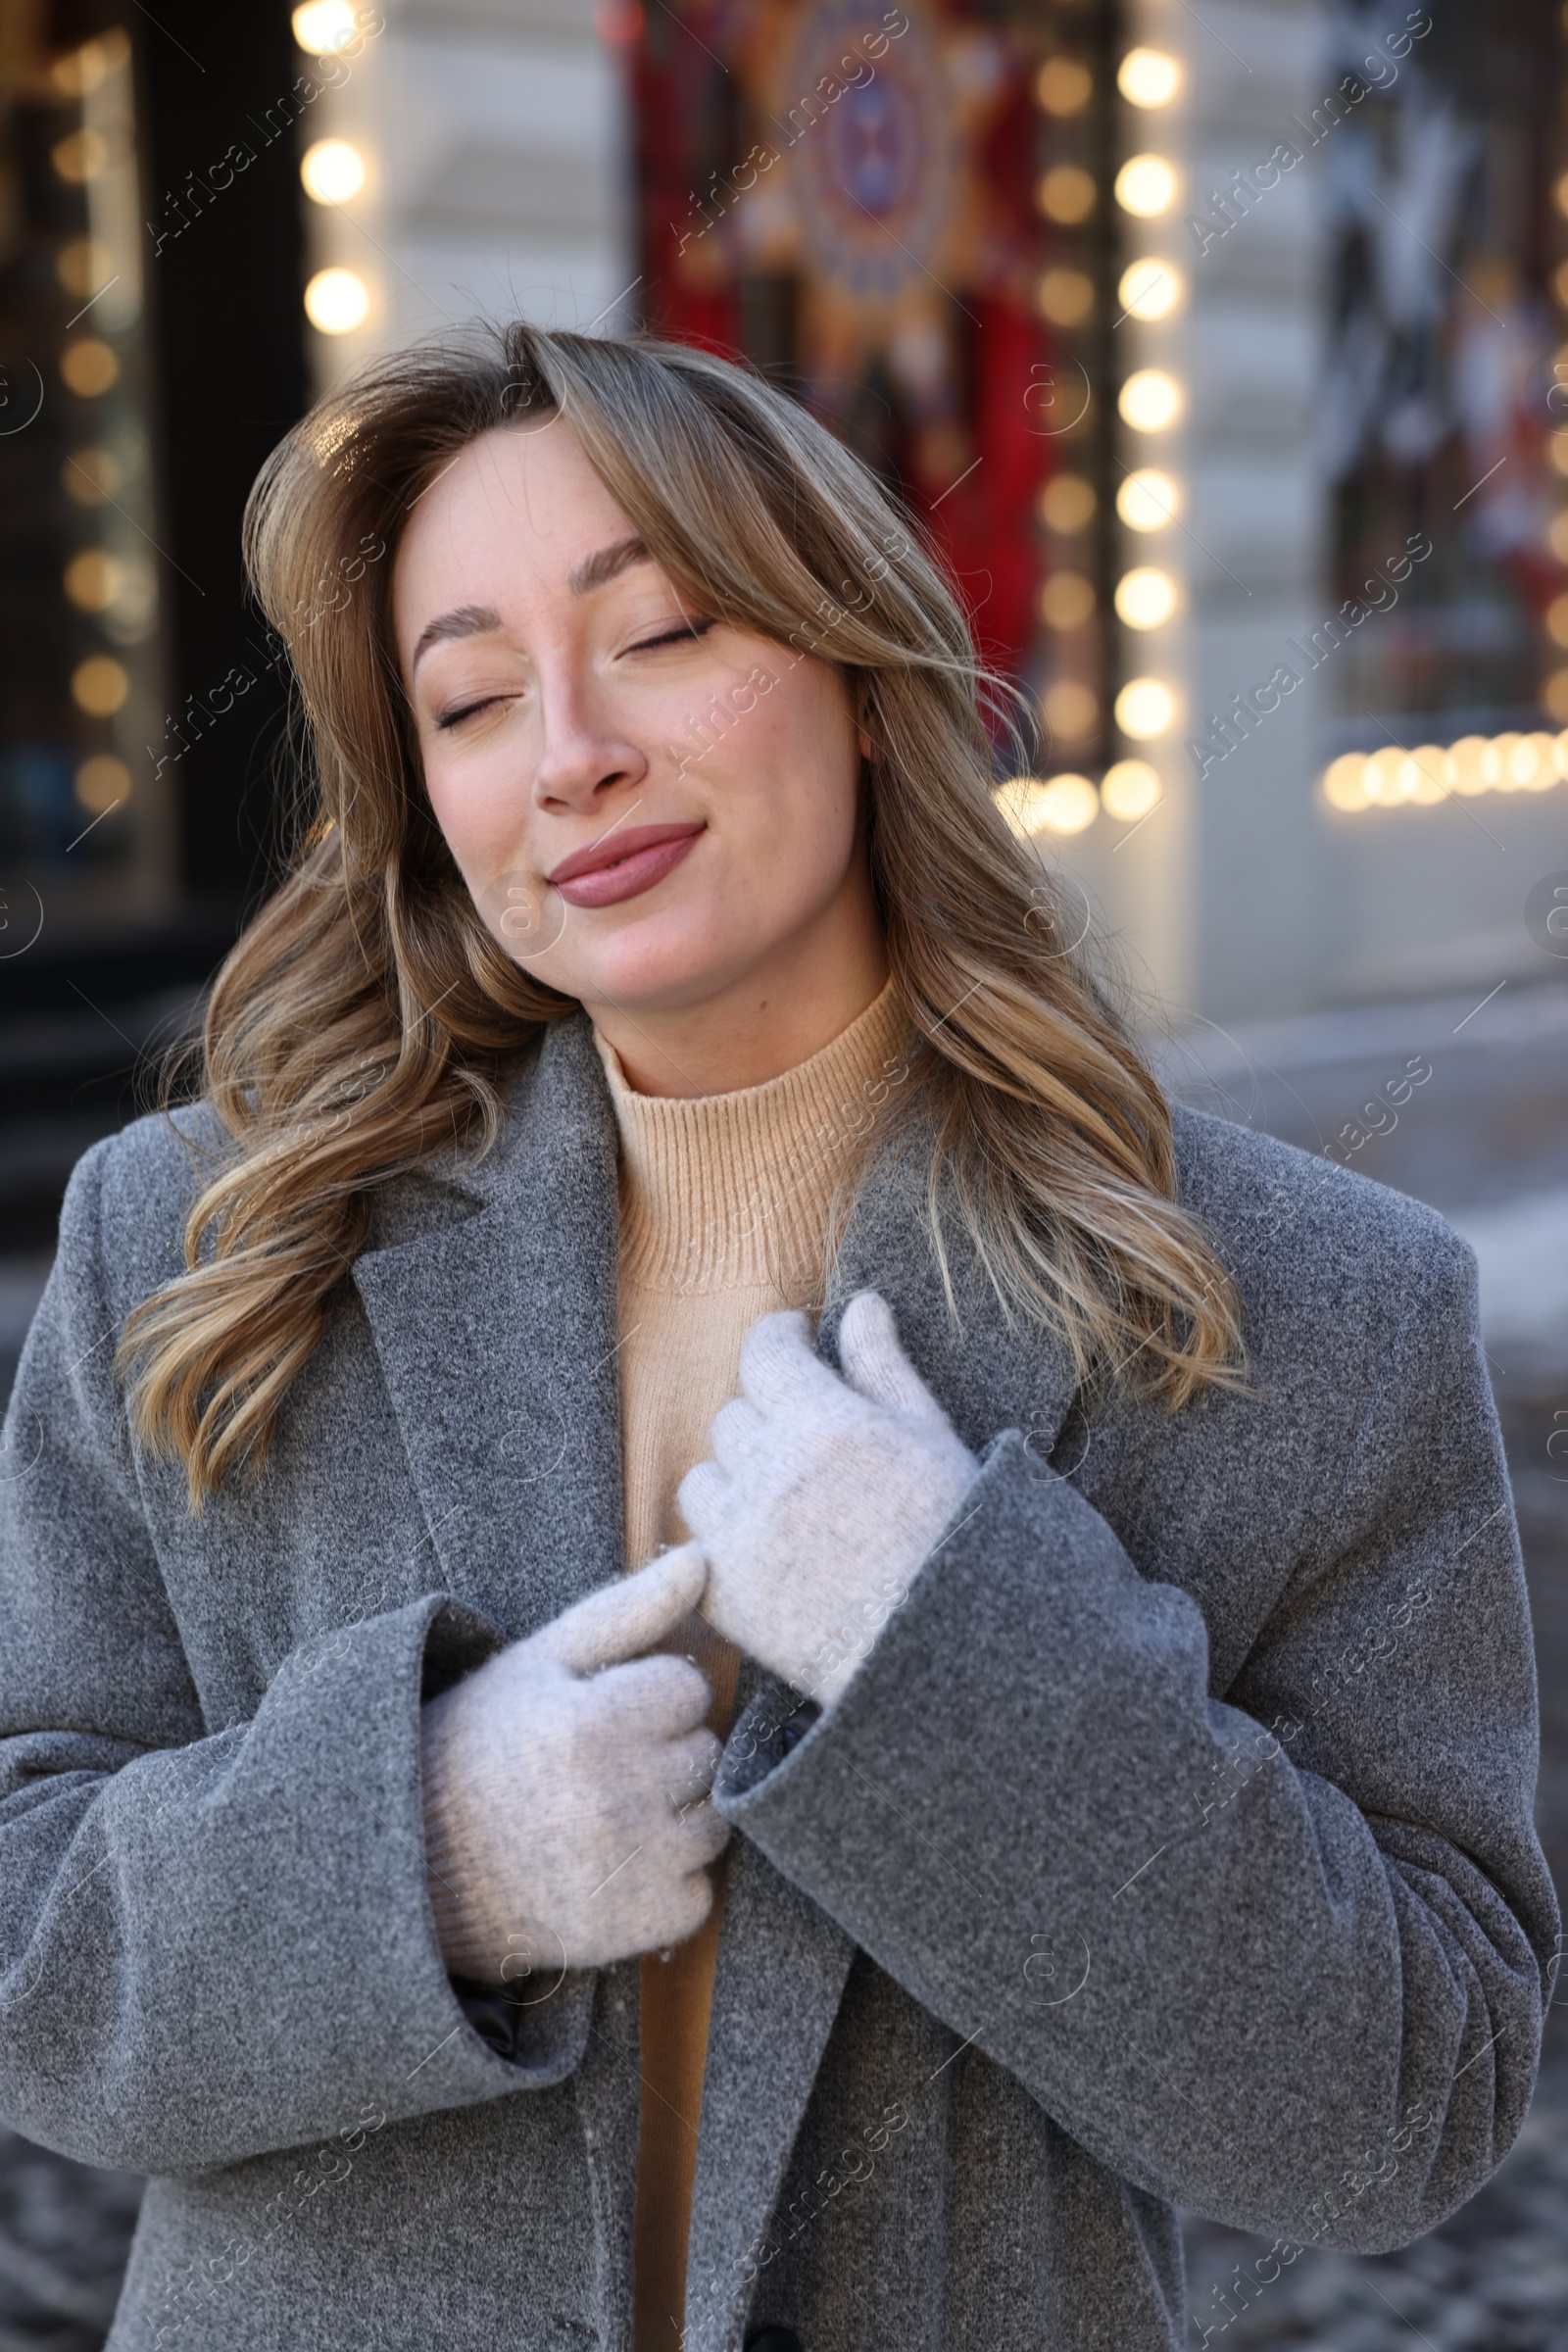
(582, 758)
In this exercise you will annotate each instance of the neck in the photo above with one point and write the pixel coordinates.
(775, 1017)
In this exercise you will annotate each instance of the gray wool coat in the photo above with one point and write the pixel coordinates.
(1172, 1845)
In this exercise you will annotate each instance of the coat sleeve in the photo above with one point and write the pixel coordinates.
(1277, 1956)
(211, 1944)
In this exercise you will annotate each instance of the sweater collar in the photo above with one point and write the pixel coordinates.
(546, 1198)
(735, 1190)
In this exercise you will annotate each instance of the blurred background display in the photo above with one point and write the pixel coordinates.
(907, 217)
(1444, 407)
(150, 353)
(83, 683)
(850, 198)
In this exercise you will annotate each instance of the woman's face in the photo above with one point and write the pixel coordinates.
(650, 808)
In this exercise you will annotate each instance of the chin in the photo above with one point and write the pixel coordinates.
(662, 963)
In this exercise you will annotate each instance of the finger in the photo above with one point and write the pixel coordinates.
(704, 1834)
(649, 1917)
(692, 1762)
(736, 1435)
(706, 1497)
(781, 1372)
(694, 1903)
(620, 1619)
(659, 1698)
(875, 1364)
(669, 1910)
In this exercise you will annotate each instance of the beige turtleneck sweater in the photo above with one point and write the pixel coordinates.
(725, 1208)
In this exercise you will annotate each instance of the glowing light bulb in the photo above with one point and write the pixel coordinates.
(80, 156)
(1496, 766)
(1150, 400)
(1149, 290)
(84, 265)
(1129, 790)
(1146, 186)
(1070, 710)
(99, 685)
(1144, 708)
(333, 171)
(1462, 764)
(1064, 804)
(1066, 599)
(1533, 763)
(1063, 85)
(1546, 770)
(1146, 597)
(1428, 777)
(323, 26)
(1068, 805)
(88, 367)
(336, 301)
(1067, 503)
(79, 72)
(1066, 296)
(1381, 774)
(1148, 500)
(1066, 193)
(102, 783)
(93, 580)
(1017, 799)
(1149, 77)
(1345, 781)
(90, 476)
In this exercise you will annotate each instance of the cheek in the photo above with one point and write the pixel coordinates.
(479, 811)
(792, 768)
(484, 850)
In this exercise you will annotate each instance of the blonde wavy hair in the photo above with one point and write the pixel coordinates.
(361, 1020)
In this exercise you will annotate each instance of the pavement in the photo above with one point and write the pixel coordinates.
(1463, 1101)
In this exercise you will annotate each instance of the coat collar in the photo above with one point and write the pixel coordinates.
(493, 1303)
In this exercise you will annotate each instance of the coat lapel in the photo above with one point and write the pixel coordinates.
(782, 1961)
(778, 1980)
(495, 1325)
(986, 1376)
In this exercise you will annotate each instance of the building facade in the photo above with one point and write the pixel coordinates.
(1217, 349)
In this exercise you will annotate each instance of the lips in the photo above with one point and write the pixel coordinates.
(622, 863)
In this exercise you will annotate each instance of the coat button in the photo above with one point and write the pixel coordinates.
(773, 2338)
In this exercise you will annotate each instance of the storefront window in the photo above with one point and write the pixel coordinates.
(83, 826)
(905, 215)
(1444, 412)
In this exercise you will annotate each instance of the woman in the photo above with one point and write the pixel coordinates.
(433, 1530)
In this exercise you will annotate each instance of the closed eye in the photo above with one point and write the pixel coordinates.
(450, 718)
(685, 634)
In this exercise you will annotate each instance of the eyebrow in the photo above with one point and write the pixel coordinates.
(606, 565)
(597, 570)
(467, 620)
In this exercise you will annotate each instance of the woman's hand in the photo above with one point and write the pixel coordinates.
(823, 1495)
(565, 1796)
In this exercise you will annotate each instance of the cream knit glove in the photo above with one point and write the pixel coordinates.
(566, 1819)
(823, 1495)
